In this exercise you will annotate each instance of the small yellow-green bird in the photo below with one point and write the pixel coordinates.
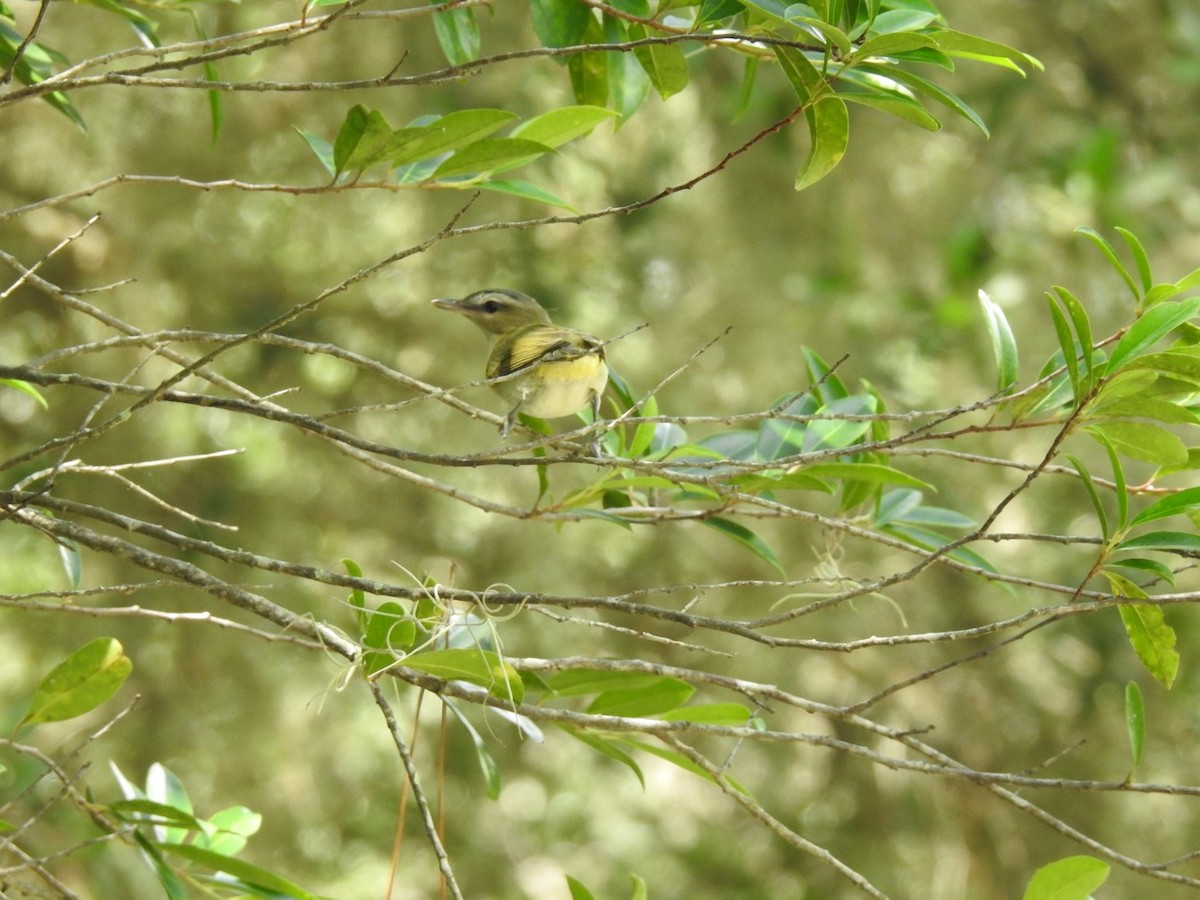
(556, 371)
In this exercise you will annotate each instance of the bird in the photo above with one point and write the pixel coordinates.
(548, 371)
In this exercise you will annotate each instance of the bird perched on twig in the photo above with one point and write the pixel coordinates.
(548, 370)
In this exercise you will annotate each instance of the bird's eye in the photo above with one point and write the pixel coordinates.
(491, 306)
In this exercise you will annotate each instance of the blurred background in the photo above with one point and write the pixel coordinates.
(880, 262)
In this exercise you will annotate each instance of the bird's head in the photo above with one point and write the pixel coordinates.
(498, 310)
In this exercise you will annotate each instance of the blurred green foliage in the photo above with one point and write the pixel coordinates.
(879, 262)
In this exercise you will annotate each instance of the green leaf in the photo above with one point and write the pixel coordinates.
(825, 33)
(246, 872)
(578, 682)
(887, 44)
(826, 114)
(559, 23)
(1140, 565)
(1178, 362)
(876, 473)
(577, 889)
(357, 599)
(1135, 721)
(896, 104)
(829, 130)
(229, 830)
(1139, 257)
(939, 94)
(490, 155)
(1109, 254)
(1143, 441)
(901, 20)
(390, 630)
(1071, 878)
(481, 667)
(664, 63)
(608, 747)
(1086, 478)
(1083, 328)
(748, 538)
(590, 78)
(1183, 542)
(142, 26)
(526, 191)
(558, 126)
(487, 762)
(80, 683)
(1152, 639)
(1183, 503)
(660, 696)
(457, 129)
(628, 84)
(1067, 345)
(968, 46)
(321, 148)
(732, 715)
(1004, 344)
(1151, 326)
(142, 811)
(361, 140)
(457, 34)
(26, 388)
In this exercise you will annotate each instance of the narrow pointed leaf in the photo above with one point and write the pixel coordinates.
(1139, 257)
(1109, 254)
(1135, 721)
(1183, 503)
(747, 538)
(1151, 327)
(1004, 344)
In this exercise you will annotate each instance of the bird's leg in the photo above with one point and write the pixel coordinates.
(597, 443)
(511, 419)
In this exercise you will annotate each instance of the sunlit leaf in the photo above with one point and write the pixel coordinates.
(1152, 639)
(895, 104)
(1144, 441)
(491, 155)
(80, 683)
(481, 667)
(558, 126)
(1004, 344)
(450, 132)
(732, 715)
(968, 46)
(1072, 878)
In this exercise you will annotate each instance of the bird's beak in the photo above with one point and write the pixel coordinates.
(443, 303)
